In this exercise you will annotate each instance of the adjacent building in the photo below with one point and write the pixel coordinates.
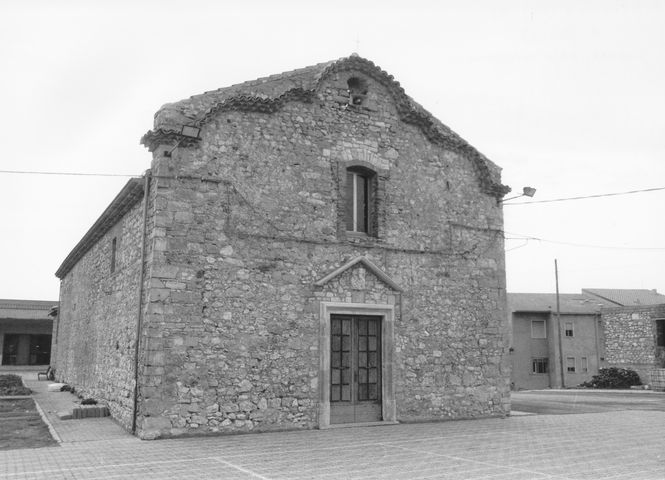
(634, 329)
(594, 329)
(307, 249)
(25, 332)
(554, 351)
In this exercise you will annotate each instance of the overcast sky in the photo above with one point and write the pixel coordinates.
(566, 96)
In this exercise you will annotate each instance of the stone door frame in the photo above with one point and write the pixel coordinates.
(387, 314)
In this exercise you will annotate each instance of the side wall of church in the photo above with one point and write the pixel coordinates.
(95, 334)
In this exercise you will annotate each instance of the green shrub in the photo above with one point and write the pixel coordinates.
(13, 385)
(613, 377)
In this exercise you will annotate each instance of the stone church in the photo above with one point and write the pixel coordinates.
(308, 249)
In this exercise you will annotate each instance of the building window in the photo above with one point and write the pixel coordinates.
(570, 364)
(584, 365)
(359, 200)
(569, 329)
(660, 333)
(113, 251)
(539, 365)
(538, 329)
(357, 90)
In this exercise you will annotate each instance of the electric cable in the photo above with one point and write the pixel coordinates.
(22, 172)
(588, 196)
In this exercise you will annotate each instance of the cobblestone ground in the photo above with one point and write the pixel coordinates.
(617, 445)
(609, 445)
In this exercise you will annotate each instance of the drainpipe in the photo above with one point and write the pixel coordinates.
(139, 319)
(53, 361)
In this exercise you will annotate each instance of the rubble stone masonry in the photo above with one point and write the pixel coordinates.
(630, 334)
(246, 221)
(95, 331)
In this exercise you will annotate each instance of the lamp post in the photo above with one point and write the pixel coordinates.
(526, 192)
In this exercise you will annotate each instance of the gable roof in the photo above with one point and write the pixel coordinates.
(26, 309)
(369, 265)
(626, 297)
(569, 303)
(131, 194)
(269, 94)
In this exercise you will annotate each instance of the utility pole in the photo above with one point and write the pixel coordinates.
(558, 323)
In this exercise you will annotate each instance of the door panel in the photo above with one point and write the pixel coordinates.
(355, 369)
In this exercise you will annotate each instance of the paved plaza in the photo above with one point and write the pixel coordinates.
(609, 445)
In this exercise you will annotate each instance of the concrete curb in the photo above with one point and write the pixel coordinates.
(592, 390)
(51, 428)
(519, 413)
(42, 414)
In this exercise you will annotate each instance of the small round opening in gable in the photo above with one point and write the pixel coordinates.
(357, 90)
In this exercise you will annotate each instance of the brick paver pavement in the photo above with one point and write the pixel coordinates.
(612, 445)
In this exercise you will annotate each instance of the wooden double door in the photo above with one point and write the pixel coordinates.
(355, 369)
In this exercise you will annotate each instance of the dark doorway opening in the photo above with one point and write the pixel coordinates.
(26, 349)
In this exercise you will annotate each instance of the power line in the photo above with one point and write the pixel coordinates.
(572, 244)
(587, 196)
(25, 172)
(20, 172)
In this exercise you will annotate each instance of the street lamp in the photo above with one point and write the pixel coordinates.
(526, 192)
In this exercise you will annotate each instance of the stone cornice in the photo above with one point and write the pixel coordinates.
(251, 103)
(154, 138)
(409, 112)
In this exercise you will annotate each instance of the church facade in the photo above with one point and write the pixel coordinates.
(307, 249)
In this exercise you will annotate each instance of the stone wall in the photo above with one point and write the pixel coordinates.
(630, 337)
(245, 223)
(96, 329)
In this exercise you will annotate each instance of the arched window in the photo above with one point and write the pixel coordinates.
(359, 201)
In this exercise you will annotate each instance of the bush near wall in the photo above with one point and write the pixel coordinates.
(13, 385)
(613, 377)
